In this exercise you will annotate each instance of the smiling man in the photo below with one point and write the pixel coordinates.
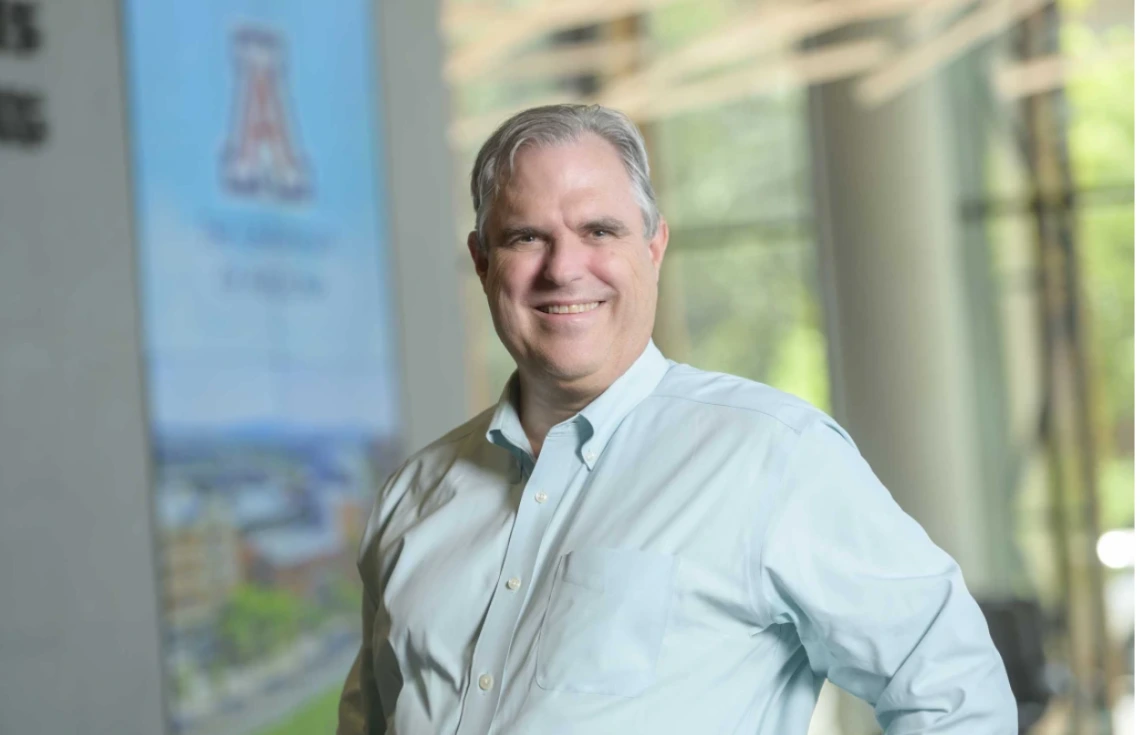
(629, 545)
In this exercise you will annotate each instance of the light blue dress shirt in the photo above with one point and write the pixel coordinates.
(692, 553)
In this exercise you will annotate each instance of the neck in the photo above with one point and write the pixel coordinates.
(543, 406)
(545, 401)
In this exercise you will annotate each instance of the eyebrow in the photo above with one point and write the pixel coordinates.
(510, 233)
(613, 224)
(605, 222)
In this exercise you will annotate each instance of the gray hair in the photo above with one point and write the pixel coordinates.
(553, 125)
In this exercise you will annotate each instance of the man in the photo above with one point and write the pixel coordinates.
(629, 545)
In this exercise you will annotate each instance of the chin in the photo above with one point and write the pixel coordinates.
(570, 370)
(568, 364)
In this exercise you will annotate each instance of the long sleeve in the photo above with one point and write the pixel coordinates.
(359, 711)
(881, 611)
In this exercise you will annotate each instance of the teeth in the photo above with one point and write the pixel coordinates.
(571, 308)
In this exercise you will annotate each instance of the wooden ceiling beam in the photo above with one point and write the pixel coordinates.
(836, 61)
(912, 64)
(811, 67)
(503, 33)
(1047, 73)
(557, 62)
(927, 17)
(757, 32)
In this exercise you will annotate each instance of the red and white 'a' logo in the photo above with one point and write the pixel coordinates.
(260, 156)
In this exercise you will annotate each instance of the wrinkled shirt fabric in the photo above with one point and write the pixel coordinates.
(693, 552)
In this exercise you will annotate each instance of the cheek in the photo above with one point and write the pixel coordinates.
(627, 273)
(614, 268)
(507, 280)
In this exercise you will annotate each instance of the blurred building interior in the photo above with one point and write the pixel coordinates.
(916, 214)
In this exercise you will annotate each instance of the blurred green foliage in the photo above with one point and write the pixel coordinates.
(1102, 145)
(316, 716)
(258, 621)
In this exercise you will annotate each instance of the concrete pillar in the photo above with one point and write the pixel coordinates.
(79, 628)
(903, 350)
(423, 229)
(897, 307)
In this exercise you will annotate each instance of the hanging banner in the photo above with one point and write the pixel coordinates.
(269, 341)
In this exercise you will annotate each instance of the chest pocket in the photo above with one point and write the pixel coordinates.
(605, 622)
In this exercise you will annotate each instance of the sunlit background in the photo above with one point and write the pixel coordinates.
(1037, 125)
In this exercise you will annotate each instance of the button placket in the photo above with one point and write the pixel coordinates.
(492, 646)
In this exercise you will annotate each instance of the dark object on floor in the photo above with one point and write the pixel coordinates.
(1018, 630)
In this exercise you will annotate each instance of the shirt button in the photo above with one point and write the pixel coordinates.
(486, 681)
(590, 456)
(514, 583)
(540, 497)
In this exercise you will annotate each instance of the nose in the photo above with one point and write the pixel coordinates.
(566, 259)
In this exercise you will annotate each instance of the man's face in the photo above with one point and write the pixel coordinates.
(570, 278)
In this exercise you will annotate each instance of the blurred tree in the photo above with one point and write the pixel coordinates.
(344, 597)
(1101, 138)
(258, 621)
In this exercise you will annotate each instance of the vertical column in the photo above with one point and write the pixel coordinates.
(79, 626)
(897, 296)
(420, 186)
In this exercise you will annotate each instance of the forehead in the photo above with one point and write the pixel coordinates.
(589, 165)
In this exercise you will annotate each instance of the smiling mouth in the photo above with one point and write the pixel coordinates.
(570, 308)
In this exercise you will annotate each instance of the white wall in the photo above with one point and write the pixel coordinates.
(79, 639)
(420, 185)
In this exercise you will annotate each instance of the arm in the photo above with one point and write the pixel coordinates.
(882, 612)
(359, 712)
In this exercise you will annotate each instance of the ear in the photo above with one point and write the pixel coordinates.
(478, 257)
(658, 243)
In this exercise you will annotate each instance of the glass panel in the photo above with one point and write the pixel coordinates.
(1101, 140)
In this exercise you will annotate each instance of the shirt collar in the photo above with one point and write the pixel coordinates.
(506, 428)
(600, 419)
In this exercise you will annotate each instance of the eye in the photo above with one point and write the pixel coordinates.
(601, 233)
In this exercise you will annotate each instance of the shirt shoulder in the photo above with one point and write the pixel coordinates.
(425, 468)
(685, 386)
(426, 465)
(456, 441)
